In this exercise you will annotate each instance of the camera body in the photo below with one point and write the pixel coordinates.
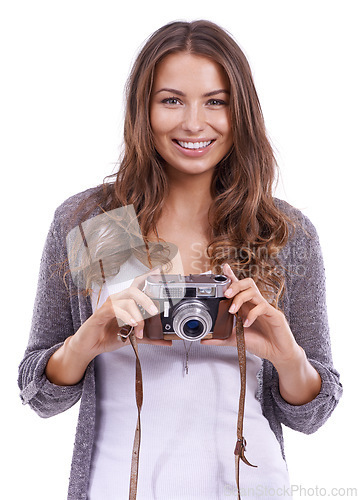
(191, 307)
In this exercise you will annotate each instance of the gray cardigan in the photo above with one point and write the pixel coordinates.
(60, 311)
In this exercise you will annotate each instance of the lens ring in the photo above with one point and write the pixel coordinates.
(191, 311)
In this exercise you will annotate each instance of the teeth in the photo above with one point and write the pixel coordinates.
(194, 145)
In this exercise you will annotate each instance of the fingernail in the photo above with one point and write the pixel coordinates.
(232, 308)
(133, 322)
(153, 310)
(140, 334)
(228, 292)
(247, 322)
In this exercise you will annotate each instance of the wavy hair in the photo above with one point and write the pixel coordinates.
(248, 229)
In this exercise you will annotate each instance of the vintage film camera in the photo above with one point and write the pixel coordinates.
(192, 307)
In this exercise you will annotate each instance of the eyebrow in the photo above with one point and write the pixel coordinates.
(208, 94)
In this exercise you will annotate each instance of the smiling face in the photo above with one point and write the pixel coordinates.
(189, 113)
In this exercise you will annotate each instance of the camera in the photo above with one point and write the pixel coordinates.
(191, 307)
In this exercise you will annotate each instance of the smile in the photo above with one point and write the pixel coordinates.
(194, 145)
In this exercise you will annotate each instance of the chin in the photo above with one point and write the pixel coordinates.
(194, 170)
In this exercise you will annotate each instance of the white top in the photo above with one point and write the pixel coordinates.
(188, 423)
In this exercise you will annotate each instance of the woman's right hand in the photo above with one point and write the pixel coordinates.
(98, 333)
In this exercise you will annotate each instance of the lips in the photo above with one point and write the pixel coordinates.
(192, 149)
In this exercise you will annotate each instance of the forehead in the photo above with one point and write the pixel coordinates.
(183, 70)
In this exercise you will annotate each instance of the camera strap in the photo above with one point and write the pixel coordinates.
(240, 447)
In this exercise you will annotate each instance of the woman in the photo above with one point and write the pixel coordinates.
(198, 170)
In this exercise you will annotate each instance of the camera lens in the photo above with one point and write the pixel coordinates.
(192, 320)
(193, 328)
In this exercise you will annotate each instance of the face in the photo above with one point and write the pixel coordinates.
(189, 113)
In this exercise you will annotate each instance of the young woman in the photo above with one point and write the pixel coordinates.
(198, 171)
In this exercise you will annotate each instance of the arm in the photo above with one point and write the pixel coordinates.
(54, 319)
(66, 366)
(65, 336)
(299, 381)
(307, 317)
(300, 384)
(268, 335)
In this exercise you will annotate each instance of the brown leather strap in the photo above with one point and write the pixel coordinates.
(241, 442)
(139, 401)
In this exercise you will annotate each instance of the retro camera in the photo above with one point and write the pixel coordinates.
(192, 307)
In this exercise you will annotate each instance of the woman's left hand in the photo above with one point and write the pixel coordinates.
(267, 333)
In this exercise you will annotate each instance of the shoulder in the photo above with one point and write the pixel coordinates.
(302, 251)
(77, 208)
(78, 201)
(302, 226)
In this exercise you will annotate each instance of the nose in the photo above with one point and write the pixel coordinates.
(194, 118)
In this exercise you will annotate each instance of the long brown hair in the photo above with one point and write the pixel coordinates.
(248, 229)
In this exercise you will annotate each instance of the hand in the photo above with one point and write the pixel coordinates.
(99, 332)
(267, 333)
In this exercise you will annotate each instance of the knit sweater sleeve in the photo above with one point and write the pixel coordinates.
(55, 317)
(309, 324)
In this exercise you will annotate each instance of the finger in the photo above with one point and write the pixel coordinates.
(138, 330)
(139, 281)
(259, 310)
(125, 312)
(249, 295)
(229, 272)
(131, 307)
(240, 285)
(139, 297)
(123, 316)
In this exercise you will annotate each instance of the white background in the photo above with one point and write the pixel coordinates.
(64, 65)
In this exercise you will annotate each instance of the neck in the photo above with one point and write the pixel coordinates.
(189, 196)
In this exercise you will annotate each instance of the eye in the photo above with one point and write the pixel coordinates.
(170, 100)
(216, 102)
